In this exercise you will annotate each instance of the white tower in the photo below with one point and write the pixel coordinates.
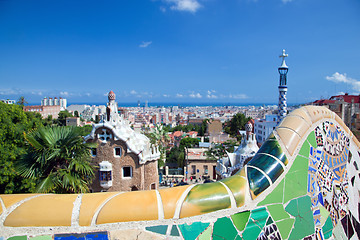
(283, 70)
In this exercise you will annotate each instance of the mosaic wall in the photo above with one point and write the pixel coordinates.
(302, 184)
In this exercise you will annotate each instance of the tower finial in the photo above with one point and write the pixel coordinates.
(283, 56)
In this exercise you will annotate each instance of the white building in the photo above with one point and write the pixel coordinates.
(62, 102)
(264, 127)
(235, 161)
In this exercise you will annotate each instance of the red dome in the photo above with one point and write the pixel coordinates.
(111, 96)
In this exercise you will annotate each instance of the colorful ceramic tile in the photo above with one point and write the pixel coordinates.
(305, 149)
(269, 221)
(90, 203)
(275, 196)
(295, 123)
(327, 228)
(324, 214)
(96, 236)
(300, 164)
(205, 198)
(347, 226)
(257, 181)
(18, 238)
(259, 215)
(356, 225)
(174, 231)
(130, 206)
(206, 235)
(300, 208)
(312, 139)
(237, 185)
(272, 147)
(277, 212)
(252, 231)
(70, 236)
(43, 237)
(161, 229)
(192, 231)
(45, 210)
(240, 219)
(10, 199)
(285, 227)
(338, 232)
(300, 112)
(170, 198)
(295, 185)
(224, 229)
(289, 138)
(268, 165)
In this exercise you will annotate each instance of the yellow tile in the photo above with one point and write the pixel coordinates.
(10, 199)
(170, 198)
(237, 185)
(130, 206)
(90, 203)
(289, 138)
(46, 210)
(301, 112)
(295, 123)
(205, 198)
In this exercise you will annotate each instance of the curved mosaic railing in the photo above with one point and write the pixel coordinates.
(302, 183)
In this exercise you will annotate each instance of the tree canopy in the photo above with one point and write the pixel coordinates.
(237, 123)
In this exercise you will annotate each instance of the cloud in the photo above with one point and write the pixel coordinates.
(238, 96)
(184, 5)
(286, 1)
(178, 95)
(65, 94)
(166, 95)
(145, 44)
(133, 92)
(342, 78)
(210, 94)
(195, 95)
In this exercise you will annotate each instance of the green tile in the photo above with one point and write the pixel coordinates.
(269, 221)
(324, 214)
(305, 150)
(300, 164)
(257, 181)
(327, 228)
(174, 231)
(240, 219)
(268, 164)
(161, 229)
(44, 237)
(251, 231)
(311, 139)
(206, 235)
(277, 212)
(295, 185)
(238, 238)
(237, 185)
(18, 238)
(285, 226)
(191, 232)
(224, 229)
(338, 232)
(300, 208)
(259, 216)
(276, 196)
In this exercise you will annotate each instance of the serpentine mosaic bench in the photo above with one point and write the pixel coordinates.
(302, 184)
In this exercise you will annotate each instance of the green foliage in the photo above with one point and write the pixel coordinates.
(85, 130)
(76, 114)
(61, 120)
(58, 160)
(13, 123)
(237, 123)
(201, 129)
(176, 155)
(189, 142)
(219, 150)
(21, 101)
(160, 138)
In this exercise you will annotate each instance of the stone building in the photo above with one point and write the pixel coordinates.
(126, 160)
(198, 165)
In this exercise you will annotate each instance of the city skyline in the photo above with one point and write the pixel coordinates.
(179, 51)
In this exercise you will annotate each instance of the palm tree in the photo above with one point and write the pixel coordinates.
(159, 138)
(58, 160)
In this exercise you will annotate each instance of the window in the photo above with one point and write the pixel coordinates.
(193, 169)
(206, 170)
(117, 151)
(93, 152)
(105, 175)
(127, 172)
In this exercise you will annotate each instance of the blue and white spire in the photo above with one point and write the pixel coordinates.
(283, 69)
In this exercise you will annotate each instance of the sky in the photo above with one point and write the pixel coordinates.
(178, 51)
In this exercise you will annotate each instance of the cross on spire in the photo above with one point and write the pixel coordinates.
(283, 56)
